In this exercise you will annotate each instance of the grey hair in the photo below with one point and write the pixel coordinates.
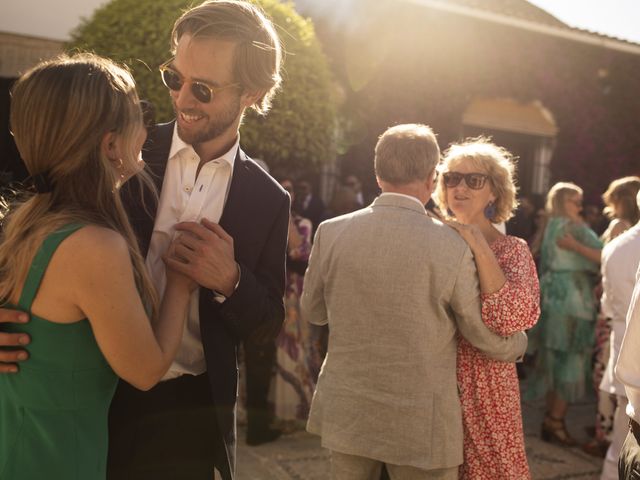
(406, 153)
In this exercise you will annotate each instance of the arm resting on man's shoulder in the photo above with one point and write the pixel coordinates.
(466, 306)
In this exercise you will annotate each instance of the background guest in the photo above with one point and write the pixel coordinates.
(308, 204)
(522, 224)
(621, 208)
(535, 242)
(620, 259)
(344, 200)
(594, 218)
(570, 256)
(296, 356)
(353, 182)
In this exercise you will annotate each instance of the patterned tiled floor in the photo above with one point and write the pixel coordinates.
(299, 456)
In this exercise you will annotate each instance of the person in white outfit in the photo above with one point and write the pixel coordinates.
(620, 259)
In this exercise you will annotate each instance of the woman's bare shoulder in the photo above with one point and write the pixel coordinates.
(96, 238)
(86, 263)
(94, 245)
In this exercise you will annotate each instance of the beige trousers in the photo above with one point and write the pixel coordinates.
(352, 467)
(620, 431)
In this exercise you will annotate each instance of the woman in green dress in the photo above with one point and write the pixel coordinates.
(69, 258)
(563, 337)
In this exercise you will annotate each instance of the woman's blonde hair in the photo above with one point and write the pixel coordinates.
(490, 159)
(557, 196)
(623, 192)
(61, 111)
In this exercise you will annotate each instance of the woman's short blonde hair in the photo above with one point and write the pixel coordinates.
(558, 195)
(488, 158)
(622, 192)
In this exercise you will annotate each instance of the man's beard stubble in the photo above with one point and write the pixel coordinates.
(214, 127)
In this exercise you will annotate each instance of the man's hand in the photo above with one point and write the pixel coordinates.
(204, 252)
(9, 357)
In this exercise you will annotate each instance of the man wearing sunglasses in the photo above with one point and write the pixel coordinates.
(231, 219)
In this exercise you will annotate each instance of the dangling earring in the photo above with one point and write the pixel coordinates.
(120, 170)
(450, 213)
(490, 210)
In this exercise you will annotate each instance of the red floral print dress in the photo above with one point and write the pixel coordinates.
(489, 390)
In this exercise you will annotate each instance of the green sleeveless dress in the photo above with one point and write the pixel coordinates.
(53, 413)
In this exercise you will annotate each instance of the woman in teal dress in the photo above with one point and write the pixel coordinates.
(563, 337)
(69, 258)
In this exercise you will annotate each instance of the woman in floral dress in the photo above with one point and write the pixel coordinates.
(294, 384)
(477, 188)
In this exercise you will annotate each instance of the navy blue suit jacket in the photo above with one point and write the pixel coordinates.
(256, 215)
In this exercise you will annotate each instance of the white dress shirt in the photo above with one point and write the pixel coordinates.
(188, 196)
(628, 366)
(620, 259)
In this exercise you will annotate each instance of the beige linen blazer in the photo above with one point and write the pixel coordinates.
(395, 286)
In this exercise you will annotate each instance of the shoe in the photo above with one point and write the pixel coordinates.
(264, 436)
(596, 448)
(554, 431)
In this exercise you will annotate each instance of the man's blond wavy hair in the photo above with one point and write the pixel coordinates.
(258, 52)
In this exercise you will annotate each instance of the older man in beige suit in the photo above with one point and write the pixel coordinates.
(395, 286)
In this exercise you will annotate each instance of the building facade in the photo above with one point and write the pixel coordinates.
(563, 100)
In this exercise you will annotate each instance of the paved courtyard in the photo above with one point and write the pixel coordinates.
(298, 456)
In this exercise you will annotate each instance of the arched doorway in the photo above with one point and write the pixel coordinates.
(527, 130)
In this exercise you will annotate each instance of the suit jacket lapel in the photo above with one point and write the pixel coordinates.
(155, 153)
(237, 197)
